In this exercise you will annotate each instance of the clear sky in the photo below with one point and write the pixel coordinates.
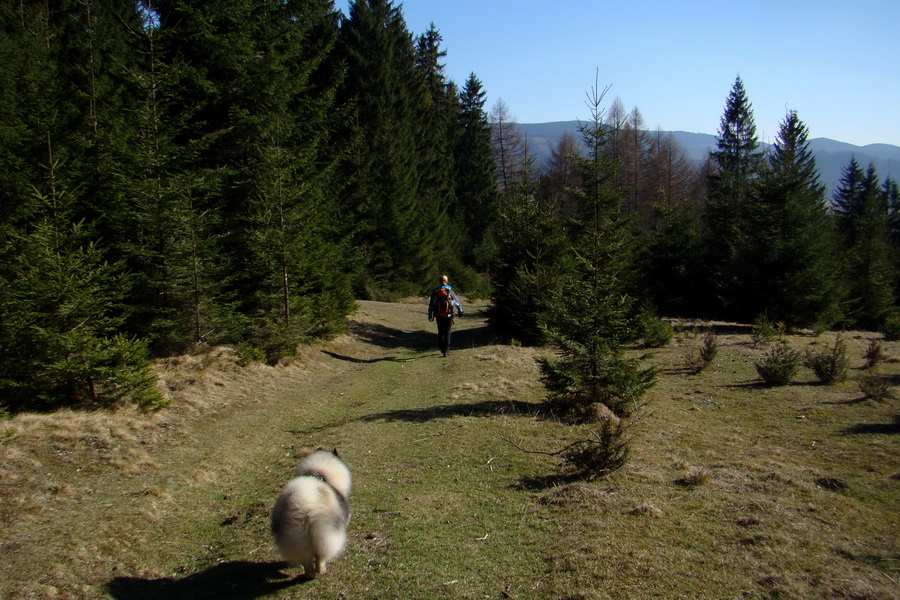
(836, 62)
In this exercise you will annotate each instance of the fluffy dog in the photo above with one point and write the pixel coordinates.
(310, 517)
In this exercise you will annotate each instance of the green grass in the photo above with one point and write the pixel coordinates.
(722, 496)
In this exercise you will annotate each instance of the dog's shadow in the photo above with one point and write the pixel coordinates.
(236, 580)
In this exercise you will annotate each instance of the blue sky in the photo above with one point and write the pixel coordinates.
(837, 63)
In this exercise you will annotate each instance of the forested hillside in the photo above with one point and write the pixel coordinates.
(176, 172)
(179, 172)
(831, 156)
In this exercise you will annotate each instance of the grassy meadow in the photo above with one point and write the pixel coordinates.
(733, 489)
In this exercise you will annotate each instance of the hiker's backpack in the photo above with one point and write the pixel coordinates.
(443, 302)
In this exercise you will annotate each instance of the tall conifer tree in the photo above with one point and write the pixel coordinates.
(863, 215)
(795, 272)
(731, 183)
(438, 110)
(383, 86)
(62, 311)
(476, 188)
(591, 315)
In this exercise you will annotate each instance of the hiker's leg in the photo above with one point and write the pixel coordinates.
(447, 342)
(443, 334)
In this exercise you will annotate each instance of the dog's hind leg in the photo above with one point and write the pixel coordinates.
(309, 569)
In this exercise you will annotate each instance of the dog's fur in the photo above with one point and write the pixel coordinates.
(310, 517)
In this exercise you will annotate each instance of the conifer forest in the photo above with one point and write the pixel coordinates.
(177, 172)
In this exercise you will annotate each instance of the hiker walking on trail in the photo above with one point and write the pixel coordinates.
(440, 307)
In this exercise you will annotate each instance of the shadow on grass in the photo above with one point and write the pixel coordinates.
(236, 580)
(474, 337)
(858, 400)
(539, 483)
(759, 384)
(367, 361)
(391, 338)
(883, 428)
(487, 408)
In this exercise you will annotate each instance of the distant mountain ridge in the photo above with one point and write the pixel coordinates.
(831, 155)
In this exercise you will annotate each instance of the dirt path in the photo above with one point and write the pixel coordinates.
(92, 502)
(735, 488)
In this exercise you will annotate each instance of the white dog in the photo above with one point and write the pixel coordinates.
(310, 517)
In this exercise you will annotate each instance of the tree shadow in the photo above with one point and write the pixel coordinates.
(236, 580)
(539, 483)
(883, 428)
(366, 361)
(417, 341)
(392, 338)
(760, 384)
(752, 384)
(473, 337)
(858, 400)
(487, 408)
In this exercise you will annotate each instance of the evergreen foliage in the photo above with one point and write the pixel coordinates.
(175, 172)
(697, 361)
(830, 365)
(396, 238)
(778, 366)
(62, 307)
(526, 247)
(793, 273)
(231, 170)
(591, 315)
(475, 188)
(671, 269)
(863, 214)
(731, 183)
(597, 456)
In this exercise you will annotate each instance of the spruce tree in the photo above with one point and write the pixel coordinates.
(731, 183)
(796, 275)
(382, 197)
(62, 311)
(293, 269)
(159, 229)
(258, 167)
(525, 248)
(863, 214)
(437, 114)
(590, 317)
(670, 268)
(891, 192)
(476, 188)
(846, 204)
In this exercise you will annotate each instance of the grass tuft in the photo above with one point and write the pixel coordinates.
(696, 477)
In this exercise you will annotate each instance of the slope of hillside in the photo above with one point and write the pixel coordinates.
(733, 490)
(831, 156)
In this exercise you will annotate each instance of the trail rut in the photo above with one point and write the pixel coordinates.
(85, 495)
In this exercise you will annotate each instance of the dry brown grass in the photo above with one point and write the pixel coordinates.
(733, 490)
